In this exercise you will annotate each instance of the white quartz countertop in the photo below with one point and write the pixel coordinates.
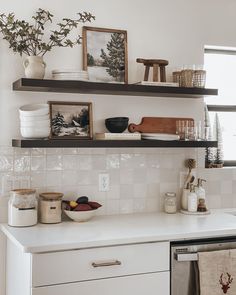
(122, 229)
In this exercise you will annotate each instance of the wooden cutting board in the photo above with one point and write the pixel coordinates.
(157, 125)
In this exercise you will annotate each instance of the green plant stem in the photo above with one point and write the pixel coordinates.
(37, 28)
(52, 43)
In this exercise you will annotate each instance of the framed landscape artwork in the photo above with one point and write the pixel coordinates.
(105, 55)
(71, 120)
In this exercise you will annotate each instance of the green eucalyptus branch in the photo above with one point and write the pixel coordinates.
(29, 39)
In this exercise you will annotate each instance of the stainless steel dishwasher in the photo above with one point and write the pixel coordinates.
(184, 267)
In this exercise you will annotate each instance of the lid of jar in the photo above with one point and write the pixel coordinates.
(24, 191)
(51, 196)
(170, 194)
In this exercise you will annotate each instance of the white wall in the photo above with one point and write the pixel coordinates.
(175, 30)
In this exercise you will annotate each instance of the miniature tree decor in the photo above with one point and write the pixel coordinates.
(219, 156)
(210, 152)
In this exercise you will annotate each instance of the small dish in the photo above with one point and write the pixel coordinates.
(80, 216)
(69, 71)
(186, 212)
(160, 136)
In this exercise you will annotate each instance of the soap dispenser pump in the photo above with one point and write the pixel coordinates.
(201, 196)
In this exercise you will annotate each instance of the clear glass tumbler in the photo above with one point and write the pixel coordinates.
(180, 129)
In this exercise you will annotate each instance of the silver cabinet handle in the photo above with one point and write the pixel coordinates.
(106, 263)
(186, 257)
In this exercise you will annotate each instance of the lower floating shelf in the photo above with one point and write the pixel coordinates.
(73, 143)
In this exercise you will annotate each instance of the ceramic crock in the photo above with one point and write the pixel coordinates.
(34, 67)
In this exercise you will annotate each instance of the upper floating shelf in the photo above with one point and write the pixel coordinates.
(72, 143)
(38, 85)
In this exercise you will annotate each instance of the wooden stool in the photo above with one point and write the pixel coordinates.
(156, 64)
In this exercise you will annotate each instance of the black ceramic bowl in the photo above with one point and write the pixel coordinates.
(117, 124)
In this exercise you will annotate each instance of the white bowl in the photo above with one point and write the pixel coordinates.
(34, 109)
(30, 132)
(80, 216)
(36, 124)
(34, 118)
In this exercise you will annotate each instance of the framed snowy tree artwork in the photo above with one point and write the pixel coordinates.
(105, 55)
(71, 120)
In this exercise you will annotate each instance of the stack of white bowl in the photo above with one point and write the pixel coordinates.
(70, 75)
(34, 121)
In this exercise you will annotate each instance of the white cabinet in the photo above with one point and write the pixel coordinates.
(147, 284)
(140, 269)
(99, 263)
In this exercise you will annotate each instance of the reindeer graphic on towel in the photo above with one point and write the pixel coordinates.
(225, 281)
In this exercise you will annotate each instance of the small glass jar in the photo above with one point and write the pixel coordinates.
(170, 203)
(50, 207)
(23, 208)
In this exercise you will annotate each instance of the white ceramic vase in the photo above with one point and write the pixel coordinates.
(34, 67)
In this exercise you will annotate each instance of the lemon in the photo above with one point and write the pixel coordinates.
(73, 204)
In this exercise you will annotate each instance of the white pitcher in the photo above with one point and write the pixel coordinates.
(34, 67)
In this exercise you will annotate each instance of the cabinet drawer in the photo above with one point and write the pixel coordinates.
(97, 263)
(151, 284)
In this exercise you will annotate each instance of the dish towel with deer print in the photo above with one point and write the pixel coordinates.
(217, 272)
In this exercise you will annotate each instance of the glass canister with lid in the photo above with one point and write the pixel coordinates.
(50, 207)
(170, 203)
(22, 208)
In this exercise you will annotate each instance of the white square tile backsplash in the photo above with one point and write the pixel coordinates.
(54, 162)
(6, 163)
(38, 163)
(70, 162)
(139, 178)
(226, 187)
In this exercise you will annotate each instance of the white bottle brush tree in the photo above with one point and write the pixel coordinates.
(217, 134)
(210, 152)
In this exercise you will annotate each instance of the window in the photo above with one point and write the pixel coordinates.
(220, 64)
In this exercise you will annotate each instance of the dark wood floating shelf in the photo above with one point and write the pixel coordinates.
(38, 85)
(71, 143)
